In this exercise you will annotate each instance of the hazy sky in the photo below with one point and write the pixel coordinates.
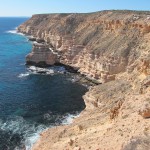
(29, 7)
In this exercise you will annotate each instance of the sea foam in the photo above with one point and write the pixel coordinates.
(66, 119)
(17, 125)
(22, 75)
(14, 32)
(69, 118)
(36, 70)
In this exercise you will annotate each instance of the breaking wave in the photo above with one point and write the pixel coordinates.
(42, 71)
(22, 75)
(14, 32)
(27, 133)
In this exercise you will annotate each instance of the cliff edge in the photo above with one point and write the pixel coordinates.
(112, 47)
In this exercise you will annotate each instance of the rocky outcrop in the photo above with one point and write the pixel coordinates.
(41, 55)
(112, 47)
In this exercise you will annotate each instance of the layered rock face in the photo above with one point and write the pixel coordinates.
(100, 44)
(112, 47)
(41, 55)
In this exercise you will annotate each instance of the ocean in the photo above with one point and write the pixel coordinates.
(31, 102)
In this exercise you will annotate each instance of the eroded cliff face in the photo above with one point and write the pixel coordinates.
(112, 47)
(41, 55)
(100, 45)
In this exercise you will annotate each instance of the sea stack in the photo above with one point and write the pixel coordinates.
(41, 55)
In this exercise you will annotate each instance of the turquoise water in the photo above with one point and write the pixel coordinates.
(30, 102)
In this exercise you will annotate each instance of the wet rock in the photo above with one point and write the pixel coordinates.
(32, 39)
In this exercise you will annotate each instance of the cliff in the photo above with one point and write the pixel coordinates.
(100, 44)
(113, 48)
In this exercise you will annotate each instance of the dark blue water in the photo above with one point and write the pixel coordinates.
(30, 102)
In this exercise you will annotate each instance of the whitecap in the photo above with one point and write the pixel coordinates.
(46, 71)
(31, 138)
(14, 32)
(22, 64)
(34, 42)
(17, 125)
(23, 75)
(50, 72)
(32, 68)
(69, 118)
(38, 70)
(31, 131)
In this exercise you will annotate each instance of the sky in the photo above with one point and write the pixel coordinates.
(30, 7)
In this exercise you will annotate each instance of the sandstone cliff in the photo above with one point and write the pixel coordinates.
(100, 44)
(109, 46)
(41, 55)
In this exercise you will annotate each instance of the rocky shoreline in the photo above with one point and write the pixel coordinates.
(109, 47)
